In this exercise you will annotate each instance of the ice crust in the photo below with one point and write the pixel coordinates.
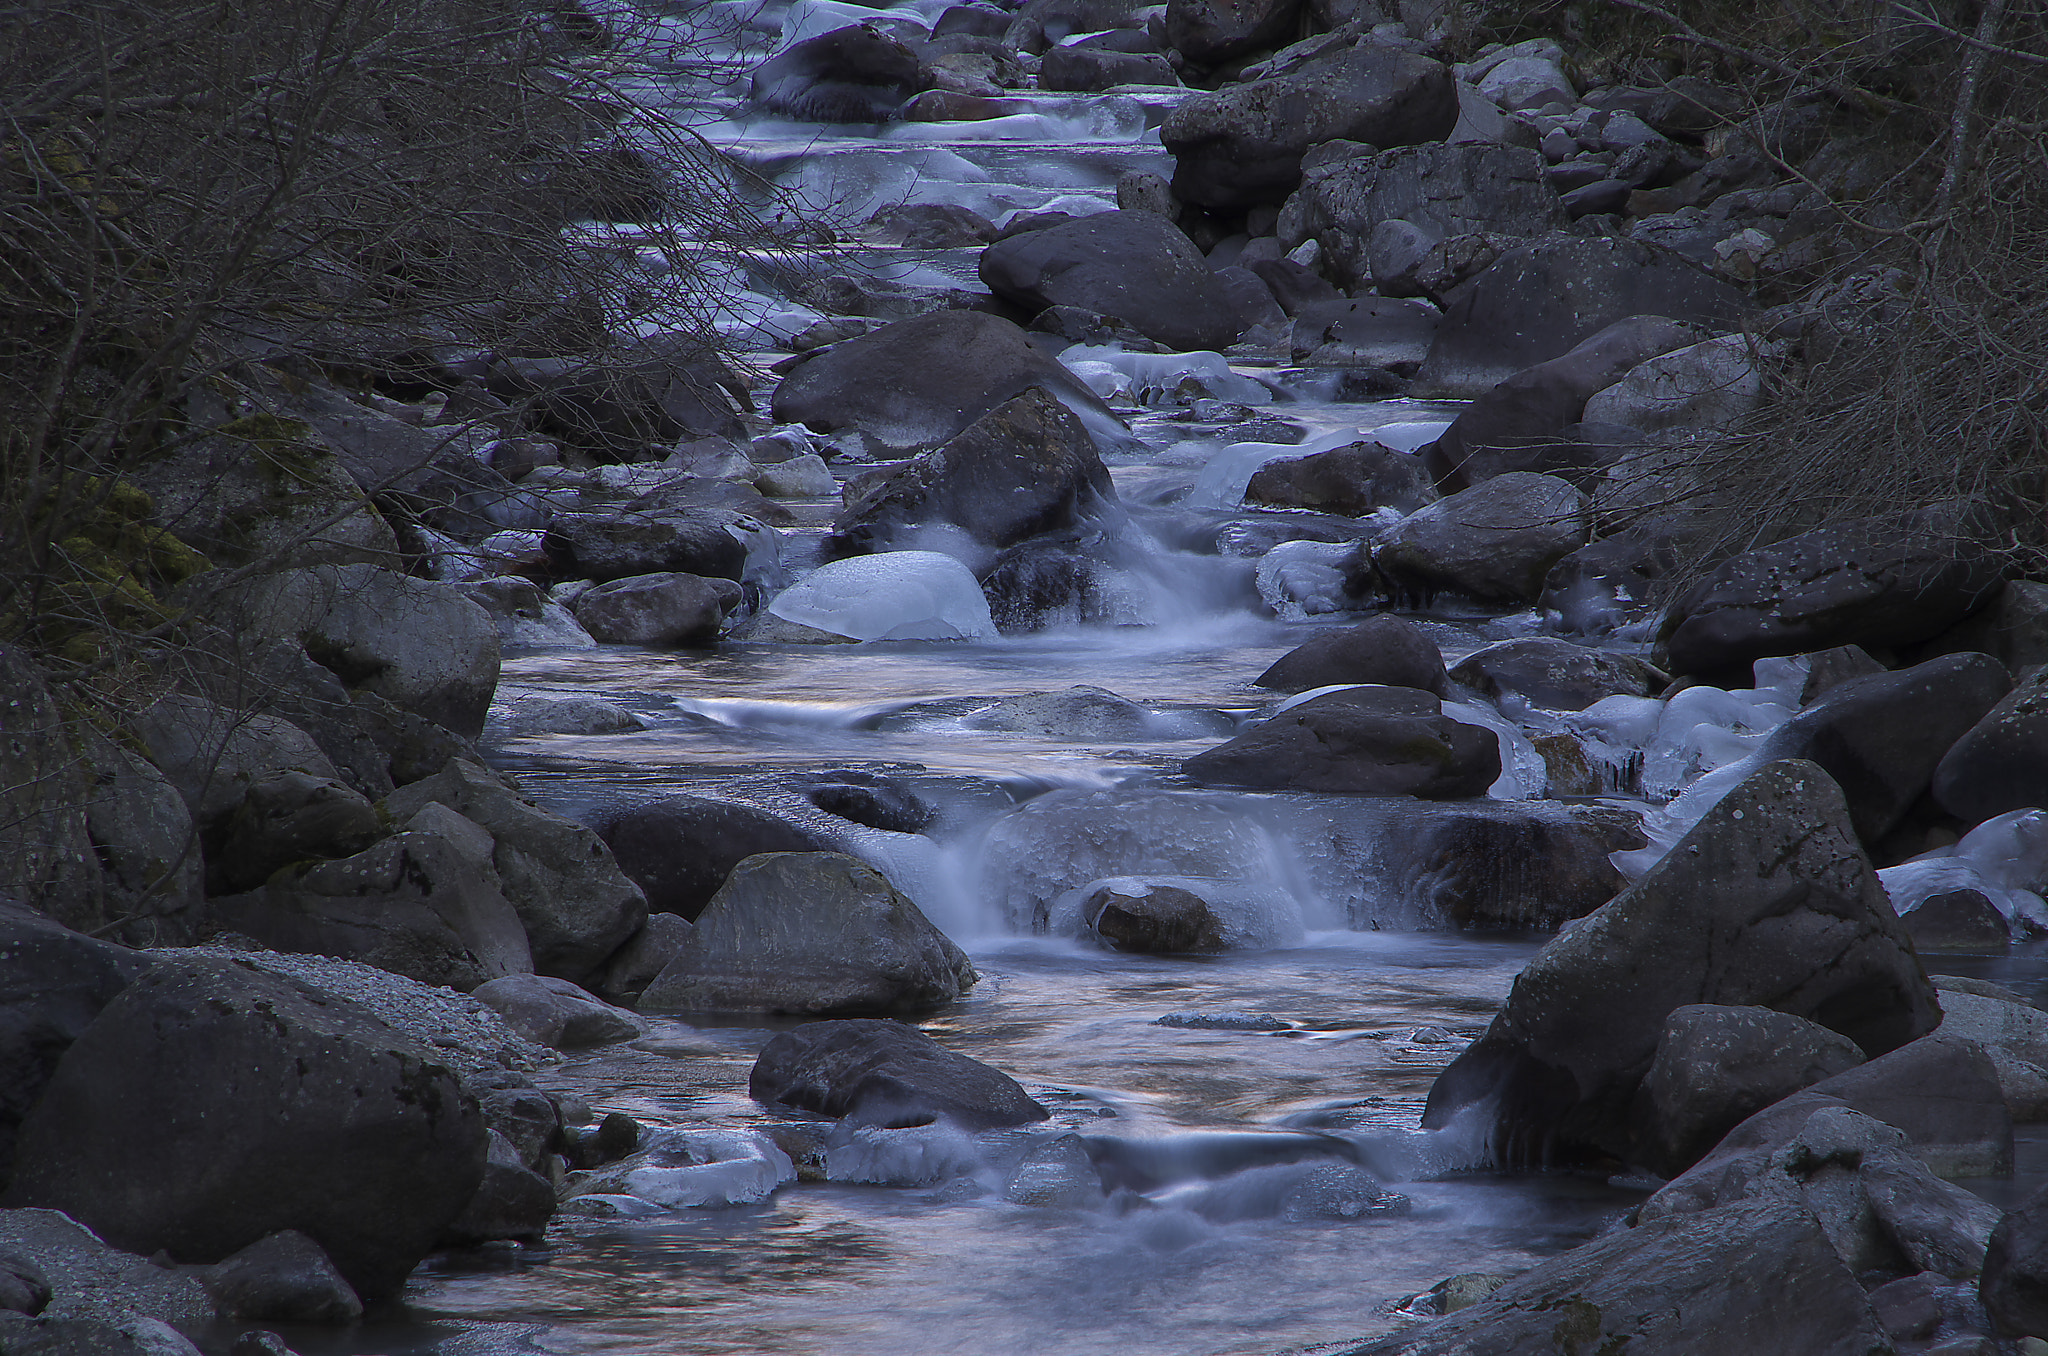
(898, 595)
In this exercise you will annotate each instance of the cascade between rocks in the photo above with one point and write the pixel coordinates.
(1132, 718)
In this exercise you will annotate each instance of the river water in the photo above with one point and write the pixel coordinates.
(1239, 1225)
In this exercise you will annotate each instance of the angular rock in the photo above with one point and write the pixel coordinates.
(1212, 31)
(1383, 741)
(1875, 582)
(1958, 920)
(1091, 71)
(919, 382)
(646, 953)
(214, 755)
(2014, 1286)
(1882, 737)
(270, 1106)
(1136, 266)
(1767, 901)
(1495, 542)
(283, 1277)
(1539, 301)
(1607, 583)
(1026, 467)
(680, 849)
(1242, 145)
(512, 1201)
(1518, 871)
(1165, 919)
(145, 838)
(555, 1013)
(1386, 650)
(287, 816)
(1556, 675)
(1940, 1227)
(653, 609)
(852, 74)
(885, 1073)
(1519, 424)
(1352, 480)
(815, 933)
(1705, 387)
(2000, 763)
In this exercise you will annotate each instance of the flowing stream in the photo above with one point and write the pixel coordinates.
(1240, 1222)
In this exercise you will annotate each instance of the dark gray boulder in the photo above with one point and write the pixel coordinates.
(1213, 31)
(653, 609)
(1607, 583)
(1242, 145)
(1386, 650)
(511, 1202)
(1026, 467)
(1958, 920)
(2014, 1285)
(1716, 1066)
(914, 384)
(1520, 424)
(1151, 917)
(1759, 1276)
(884, 1073)
(269, 1105)
(1556, 675)
(283, 1277)
(1091, 70)
(1768, 901)
(1136, 266)
(556, 1013)
(1539, 301)
(680, 849)
(2001, 763)
(1875, 582)
(1352, 481)
(1382, 741)
(852, 74)
(697, 541)
(816, 933)
(1384, 332)
(1494, 542)
(1881, 737)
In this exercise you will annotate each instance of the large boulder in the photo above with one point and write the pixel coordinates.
(1495, 542)
(1881, 737)
(573, 899)
(1242, 145)
(1768, 901)
(1028, 466)
(680, 849)
(918, 382)
(1438, 189)
(815, 933)
(53, 982)
(1091, 70)
(709, 542)
(1875, 582)
(1352, 480)
(1519, 424)
(1135, 266)
(2001, 762)
(655, 609)
(1384, 741)
(1386, 332)
(2015, 1281)
(1387, 650)
(853, 74)
(211, 1105)
(885, 1073)
(214, 755)
(1758, 1276)
(1539, 301)
(1213, 31)
(1554, 674)
(422, 646)
(1705, 387)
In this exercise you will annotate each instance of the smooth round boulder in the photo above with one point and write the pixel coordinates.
(1555, 675)
(2001, 763)
(1212, 31)
(1352, 480)
(885, 1073)
(699, 541)
(1382, 741)
(1494, 542)
(653, 609)
(1958, 920)
(1089, 70)
(1151, 917)
(852, 74)
(1385, 650)
(284, 1277)
(556, 1013)
(269, 1105)
(680, 849)
(1136, 266)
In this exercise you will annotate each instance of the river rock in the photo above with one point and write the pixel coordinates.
(1519, 424)
(228, 1159)
(1437, 189)
(1514, 872)
(1495, 542)
(885, 1073)
(1028, 466)
(283, 1277)
(1212, 31)
(1151, 917)
(852, 74)
(46, 851)
(916, 383)
(1881, 737)
(1958, 920)
(814, 933)
(680, 849)
(511, 1202)
(1876, 582)
(24, 1286)
(1556, 675)
(1136, 266)
(1352, 480)
(707, 542)
(1091, 71)
(2012, 628)
(1768, 901)
(2001, 763)
(287, 816)
(1385, 332)
(1715, 1066)
(1757, 1276)
(214, 755)
(426, 903)
(420, 645)
(1242, 145)
(654, 609)
(646, 954)
(1539, 301)
(556, 1013)
(2014, 1285)
(53, 982)
(1386, 650)
(1705, 387)
(1384, 741)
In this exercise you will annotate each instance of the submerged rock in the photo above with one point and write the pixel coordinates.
(885, 1073)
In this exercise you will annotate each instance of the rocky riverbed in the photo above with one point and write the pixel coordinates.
(1127, 764)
